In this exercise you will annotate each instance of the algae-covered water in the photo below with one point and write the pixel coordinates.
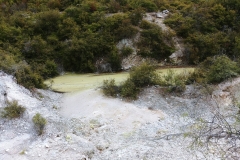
(70, 82)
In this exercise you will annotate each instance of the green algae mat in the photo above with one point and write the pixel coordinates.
(70, 82)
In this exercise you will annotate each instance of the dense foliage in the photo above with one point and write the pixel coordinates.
(208, 28)
(39, 39)
(51, 36)
(215, 70)
(140, 76)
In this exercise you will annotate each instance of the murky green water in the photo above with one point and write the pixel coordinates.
(79, 82)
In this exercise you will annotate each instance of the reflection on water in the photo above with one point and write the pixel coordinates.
(79, 82)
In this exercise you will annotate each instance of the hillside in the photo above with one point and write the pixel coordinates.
(149, 115)
(87, 125)
(42, 39)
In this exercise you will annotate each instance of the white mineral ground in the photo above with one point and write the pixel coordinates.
(88, 125)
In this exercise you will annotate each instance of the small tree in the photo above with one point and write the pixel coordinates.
(39, 123)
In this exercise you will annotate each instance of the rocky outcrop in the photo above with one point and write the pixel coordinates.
(103, 66)
(176, 57)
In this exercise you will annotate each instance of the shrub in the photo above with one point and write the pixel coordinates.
(140, 76)
(215, 70)
(126, 51)
(129, 89)
(54, 4)
(144, 75)
(115, 61)
(39, 123)
(136, 16)
(13, 110)
(26, 77)
(109, 88)
(7, 61)
(146, 25)
(149, 6)
(175, 82)
(222, 69)
(151, 44)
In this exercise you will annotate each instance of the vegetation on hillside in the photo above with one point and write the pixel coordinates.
(50, 36)
(208, 28)
(40, 39)
(143, 76)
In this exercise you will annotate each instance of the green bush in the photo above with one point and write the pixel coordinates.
(146, 25)
(129, 90)
(144, 75)
(140, 77)
(13, 110)
(7, 61)
(46, 70)
(39, 123)
(175, 82)
(149, 6)
(222, 69)
(136, 15)
(126, 51)
(151, 44)
(26, 77)
(215, 70)
(115, 61)
(110, 88)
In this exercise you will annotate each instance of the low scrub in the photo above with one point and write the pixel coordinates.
(141, 76)
(27, 77)
(175, 82)
(144, 75)
(13, 110)
(215, 70)
(39, 123)
(110, 88)
(129, 89)
(126, 51)
(221, 69)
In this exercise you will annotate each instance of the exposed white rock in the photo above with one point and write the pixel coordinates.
(88, 125)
